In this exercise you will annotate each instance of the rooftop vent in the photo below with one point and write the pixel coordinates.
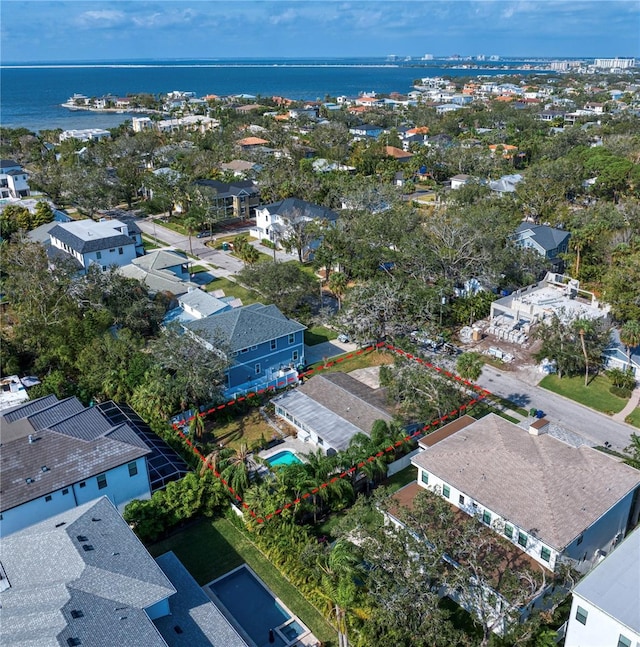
(59, 525)
(28, 480)
(74, 642)
(77, 613)
(82, 538)
(44, 468)
(178, 629)
(30, 438)
(87, 547)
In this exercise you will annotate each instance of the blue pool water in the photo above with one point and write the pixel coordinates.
(283, 458)
(254, 608)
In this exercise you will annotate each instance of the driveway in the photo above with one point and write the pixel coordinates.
(592, 425)
(328, 349)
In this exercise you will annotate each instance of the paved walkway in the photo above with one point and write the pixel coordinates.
(328, 349)
(634, 401)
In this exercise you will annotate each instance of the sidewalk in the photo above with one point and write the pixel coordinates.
(634, 400)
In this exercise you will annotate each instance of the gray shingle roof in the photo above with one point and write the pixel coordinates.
(292, 206)
(613, 586)
(349, 398)
(51, 575)
(224, 190)
(68, 459)
(549, 238)
(65, 235)
(160, 259)
(246, 326)
(537, 482)
(201, 622)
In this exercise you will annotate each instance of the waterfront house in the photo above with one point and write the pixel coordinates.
(366, 131)
(103, 243)
(84, 578)
(266, 347)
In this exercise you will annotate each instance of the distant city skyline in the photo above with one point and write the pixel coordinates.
(83, 30)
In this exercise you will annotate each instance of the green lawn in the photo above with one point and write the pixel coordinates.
(233, 289)
(318, 334)
(209, 549)
(400, 479)
(634, 417)
(596, 395)
(148, 245)
(364, 360)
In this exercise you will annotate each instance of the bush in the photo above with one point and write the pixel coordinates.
(620, 391)
(267, 243)
(622, 379)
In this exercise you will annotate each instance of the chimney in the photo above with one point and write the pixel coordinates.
(539, 427)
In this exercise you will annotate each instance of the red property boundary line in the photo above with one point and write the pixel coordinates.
(481, 395)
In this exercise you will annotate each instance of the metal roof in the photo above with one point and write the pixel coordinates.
(613, 586)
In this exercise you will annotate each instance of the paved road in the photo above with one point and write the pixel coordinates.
(592, 425)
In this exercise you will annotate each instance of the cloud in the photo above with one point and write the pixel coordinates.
(101, 18)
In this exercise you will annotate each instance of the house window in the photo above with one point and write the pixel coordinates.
(581, 615)
(244, 350)
(522, 539)
(113, 249)
(461, 499)
(294, 357)
(83, 484)
(508, 530)
(102, 481)
(580, 538)
(47, 498)
(446, 491)
(274, 343)
(292, 338)
(254, 348)
(623, 641)
(120, 250)
(133, 468)
(98, 255)
(65, 491)
(545, 553)
(486, 517)
(258, 369)
(425, 477)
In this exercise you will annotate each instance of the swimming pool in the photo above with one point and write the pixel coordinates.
(284, 457)
(255, 609)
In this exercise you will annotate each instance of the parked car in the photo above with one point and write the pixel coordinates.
(343, 339)
(203, 234)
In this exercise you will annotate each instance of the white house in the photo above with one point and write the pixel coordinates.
(104, 243)
(557, 503)
(56, 455)
(277, 221)
(85, 134)
(14, 180)
(606, 603)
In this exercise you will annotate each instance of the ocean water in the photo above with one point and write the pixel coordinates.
(30, 95)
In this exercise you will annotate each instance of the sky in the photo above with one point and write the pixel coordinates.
(93, 30)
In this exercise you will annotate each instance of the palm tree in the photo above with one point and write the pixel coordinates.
(196, 426)
(630, 336)
(585, 327)
(338, 285)
(469, 366)
(237, 470)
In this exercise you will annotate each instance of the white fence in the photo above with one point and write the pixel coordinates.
(401, 463)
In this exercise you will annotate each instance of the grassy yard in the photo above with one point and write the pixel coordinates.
(209, 549)
(318, 334)
(233, 289)
(246, 429)
(401, 478)
(370, 358)
(596, 395)
(148, 245)
(634, 417)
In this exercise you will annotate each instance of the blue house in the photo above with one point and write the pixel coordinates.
(266, 347)
(546, 241)
(367, 130)
(616, 356)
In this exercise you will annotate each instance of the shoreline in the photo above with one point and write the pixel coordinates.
(120, 111)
